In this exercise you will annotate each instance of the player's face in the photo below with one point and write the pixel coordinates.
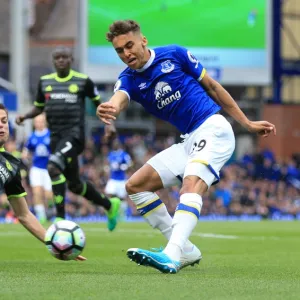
(39, 122)
(62, 60)
(131, 48)
(4, 129)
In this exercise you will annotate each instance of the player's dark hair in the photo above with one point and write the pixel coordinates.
(122, 27)
(62, 48)
(2, 107)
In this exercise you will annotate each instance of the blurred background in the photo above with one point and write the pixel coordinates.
(252, 47)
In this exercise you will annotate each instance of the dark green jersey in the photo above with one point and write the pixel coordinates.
(63, 102)
(10, 177)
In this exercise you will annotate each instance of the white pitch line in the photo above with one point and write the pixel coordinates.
(146, 231)
(11, 233)
(216, 236)
(135, 231)
(151, 233)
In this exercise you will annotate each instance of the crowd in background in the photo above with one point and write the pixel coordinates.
(258, 184)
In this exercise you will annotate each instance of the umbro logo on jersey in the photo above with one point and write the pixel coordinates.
(167, 66)
(142, 85)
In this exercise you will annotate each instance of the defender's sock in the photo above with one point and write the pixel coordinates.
(90, 193)
(184, 221)
(59, 191)
(40, 212)
(155, 212)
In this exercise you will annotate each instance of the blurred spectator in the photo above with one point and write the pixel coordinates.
(259, 184)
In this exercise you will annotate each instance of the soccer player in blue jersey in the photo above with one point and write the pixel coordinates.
(39, 145)
(119, 162)
(171, 84)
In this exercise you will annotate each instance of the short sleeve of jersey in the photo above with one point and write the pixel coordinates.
(28, 144)
(14, 188)
(127, 158)
(126, 85)
(91, 90)
(190, 63)
(40, 97)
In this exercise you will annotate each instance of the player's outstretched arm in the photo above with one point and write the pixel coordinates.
(29, 221)
(26, 218)
(108, 111)
(223, 98)
(31, 114)
(38, 108)
(25, 154)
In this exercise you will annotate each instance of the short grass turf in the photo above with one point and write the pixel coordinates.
(259, 260)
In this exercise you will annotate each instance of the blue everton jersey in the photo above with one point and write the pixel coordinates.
(39, 144)
(119, 162)
(168, 87)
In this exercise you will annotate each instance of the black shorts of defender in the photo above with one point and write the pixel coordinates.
(64, 155)
(64, 160)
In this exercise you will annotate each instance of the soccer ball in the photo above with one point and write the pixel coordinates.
(65, 240)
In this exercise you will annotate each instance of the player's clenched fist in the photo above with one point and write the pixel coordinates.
(106, 112)
(19, 120)
(263, 128)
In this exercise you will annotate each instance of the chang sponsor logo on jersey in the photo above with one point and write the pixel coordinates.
(4, 174)
(42, 150)
(163, 94)
(69, 98)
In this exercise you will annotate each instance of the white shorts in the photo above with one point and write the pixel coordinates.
(202, 153)
(116, 187)
(40, 177)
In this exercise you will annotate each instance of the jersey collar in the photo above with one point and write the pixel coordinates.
(41, 132)
(2, 149)
(59, 79)
(148, 63)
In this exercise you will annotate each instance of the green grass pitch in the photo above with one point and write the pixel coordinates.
(240, 261)
(190, 23)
